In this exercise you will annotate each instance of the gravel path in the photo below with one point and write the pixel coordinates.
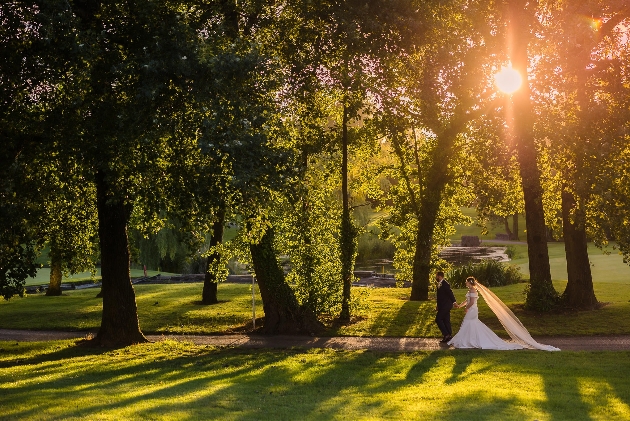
(575, 343)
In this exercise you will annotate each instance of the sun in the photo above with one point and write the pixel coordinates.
(508, 80)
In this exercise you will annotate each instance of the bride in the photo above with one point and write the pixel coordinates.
(474, 334)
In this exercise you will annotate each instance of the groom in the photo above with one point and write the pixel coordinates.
(445, 302)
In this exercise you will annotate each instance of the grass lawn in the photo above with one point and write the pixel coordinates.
(392, 314)
(181, 381)
(43, 276)
(608, 268)
(169, 380)
(162, 308)
(175, 309)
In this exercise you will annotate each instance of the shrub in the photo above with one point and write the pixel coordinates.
(489, 272)
(511, 252)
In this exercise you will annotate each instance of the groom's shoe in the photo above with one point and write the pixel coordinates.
(445, 339)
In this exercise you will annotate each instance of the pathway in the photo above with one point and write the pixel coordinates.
(390, 344)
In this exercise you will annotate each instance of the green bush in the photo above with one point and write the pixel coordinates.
(489, 272)
(511, 252)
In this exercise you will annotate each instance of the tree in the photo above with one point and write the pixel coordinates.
(540, 292)
(243, 139)
(25, 101)
(306, 221)
(580, 73)
(442, 84)
(63, 209)
(344, 50)
(124, 64)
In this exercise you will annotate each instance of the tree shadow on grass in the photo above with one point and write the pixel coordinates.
(201, 303)
(405, 319)
(606, 390)
(17, 354)
(239, 384)
(412, 318)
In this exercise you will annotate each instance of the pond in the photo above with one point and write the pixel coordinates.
(456, 256)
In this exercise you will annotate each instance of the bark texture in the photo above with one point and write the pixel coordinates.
(54, 286)
(506, 226)
(119, 323)
(541, 295)
(579, 293)
(515, 234)
(429, 206)
(424, 244)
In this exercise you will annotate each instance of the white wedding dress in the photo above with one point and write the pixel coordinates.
(474, 334)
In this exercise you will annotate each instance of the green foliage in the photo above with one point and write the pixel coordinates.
(17, 237)
(171, 249)
(240, 107)
(65, 211)
(488, 272)
(15, 266)
(512, 252)
(309, 235)
(370, 247)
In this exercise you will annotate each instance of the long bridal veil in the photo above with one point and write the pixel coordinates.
(510, 322)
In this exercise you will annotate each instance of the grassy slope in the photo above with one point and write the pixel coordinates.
(172, 381)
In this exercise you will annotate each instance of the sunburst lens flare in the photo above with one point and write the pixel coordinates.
(508, 80)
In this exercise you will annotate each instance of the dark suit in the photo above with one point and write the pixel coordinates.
(445, 299)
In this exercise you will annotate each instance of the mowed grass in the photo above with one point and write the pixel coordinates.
(392, 314)
(43, 276)
(605, 267)
(175, 309)
(162, 308)
(179, 381)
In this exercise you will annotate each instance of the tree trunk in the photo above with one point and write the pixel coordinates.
(54, 286)
(506, 226)
(348, 231)
(424, 244)
(283, 314)
(579, 293)
(119, 323)
(541, 295)
(210, 282)
(515, 235)
(431, 199)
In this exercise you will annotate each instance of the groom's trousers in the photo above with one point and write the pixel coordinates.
(443, 320)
